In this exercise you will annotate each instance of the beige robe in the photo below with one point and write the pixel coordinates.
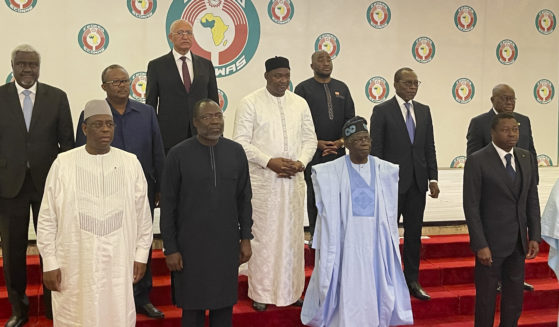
(270, 127)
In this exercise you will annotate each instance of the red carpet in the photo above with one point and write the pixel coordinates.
(446, 273)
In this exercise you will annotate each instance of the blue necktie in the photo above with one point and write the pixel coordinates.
(510, 170)
(27, 108)
(410, 125)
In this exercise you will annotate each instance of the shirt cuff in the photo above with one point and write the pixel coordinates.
(142, 255)
(50, 263)
(263, 161)
(433, 181)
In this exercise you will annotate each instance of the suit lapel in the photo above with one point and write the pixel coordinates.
(37, 112)
(524, 163)
(172, 66)
(500, 170)
(419, 119)
(14, 107)
(195, 68)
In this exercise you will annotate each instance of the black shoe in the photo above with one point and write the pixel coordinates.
(528, 287)
(298, 303)
(150, 311)
(17, 321)
(259, 306)
(417, 291)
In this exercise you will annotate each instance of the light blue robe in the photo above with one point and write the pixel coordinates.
(357, 278)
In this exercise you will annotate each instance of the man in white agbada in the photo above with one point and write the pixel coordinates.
(357, 278)
(276, 130)
(94, 229)
(550, 229)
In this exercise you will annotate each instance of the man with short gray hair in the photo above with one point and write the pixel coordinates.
(35, 126)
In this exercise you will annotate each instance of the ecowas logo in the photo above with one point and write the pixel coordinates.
(138, 82)
(458, 162)
(226, 31)
(21, 6)
(223, 102)
(544, 160)
(329, 43)
(465, 18)
(9, 78)
(378, 14)
(142, 8)
(93, 39)
(280, 11)
(377, 89)
(423, 49)
(463, 90)
(544, 91)
(507, 52)
(545, 21)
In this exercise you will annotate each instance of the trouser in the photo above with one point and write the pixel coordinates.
(143, 287)
(510, 270)
(14, 227)
(312, 211)
(222, 317)
(411, 206)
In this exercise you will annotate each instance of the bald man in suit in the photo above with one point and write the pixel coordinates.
(35, 125)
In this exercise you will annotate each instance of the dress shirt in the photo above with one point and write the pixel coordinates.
(502, 154)
(178, 61)
(405, 110)
(20, 90)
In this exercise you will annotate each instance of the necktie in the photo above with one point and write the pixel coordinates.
(410, 125)
(509, 168)
(27, 108)
(185, 75)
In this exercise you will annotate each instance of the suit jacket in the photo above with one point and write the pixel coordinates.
(50, 132)
(495, 214)
(166, 93)
(391, 142)
(479, 133)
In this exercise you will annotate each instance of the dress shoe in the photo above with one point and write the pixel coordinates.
(259, 306)
(528, 287)
(17, 321)
(417, 291)
(298, 303)
(150, 311)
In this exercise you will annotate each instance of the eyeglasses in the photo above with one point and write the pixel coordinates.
(99, 124)
(208, 117)
(354, 140)
(411, 83)
(118, 82)
(505, 98)
(183, 33)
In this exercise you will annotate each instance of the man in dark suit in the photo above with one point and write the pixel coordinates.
(175, 82)
(35, 125)
(402, 133)
(503, 215)
(479, 131)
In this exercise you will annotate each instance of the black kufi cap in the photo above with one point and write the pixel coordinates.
(277, 62)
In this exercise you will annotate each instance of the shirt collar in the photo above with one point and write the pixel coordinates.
(495, 111)
(401, 101)
(178, 56)
(129, 106)
(502, 152)
(20, 89)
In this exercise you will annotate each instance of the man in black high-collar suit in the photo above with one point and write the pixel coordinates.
(175, 82)
(502, 211)
(402, 133)
(479, 132)
(35, 125)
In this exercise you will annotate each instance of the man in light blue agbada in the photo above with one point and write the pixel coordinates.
(357, 278)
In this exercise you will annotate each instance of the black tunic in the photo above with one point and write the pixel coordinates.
(205, 212)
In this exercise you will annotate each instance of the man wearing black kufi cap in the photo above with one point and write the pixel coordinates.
(275, 128)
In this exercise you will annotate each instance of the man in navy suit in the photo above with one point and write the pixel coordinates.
(175, 82)
(35, 125)
(402, 133)
(503, 215)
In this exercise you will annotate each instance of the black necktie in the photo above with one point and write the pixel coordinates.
(510, 170)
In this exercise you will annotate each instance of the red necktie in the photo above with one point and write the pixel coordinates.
(185, 75)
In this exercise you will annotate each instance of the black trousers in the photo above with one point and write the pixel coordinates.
(510, 271)
(312, 210)
(222, 317)
(14, 226)
(411, 206)
(143, 287)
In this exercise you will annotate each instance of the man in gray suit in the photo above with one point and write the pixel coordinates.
(503, 216)
(175, 82)
(35, 125)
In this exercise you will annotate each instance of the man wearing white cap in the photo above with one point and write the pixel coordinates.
(94, 229)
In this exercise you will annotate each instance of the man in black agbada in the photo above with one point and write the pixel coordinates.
(206, 219)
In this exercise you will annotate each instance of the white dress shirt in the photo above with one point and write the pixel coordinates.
(502, 154)
(20, 90)
(178, 61)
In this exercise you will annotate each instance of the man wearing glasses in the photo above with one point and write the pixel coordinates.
(402, 133)
(175, 82)
(479, 131)
(137, 132)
